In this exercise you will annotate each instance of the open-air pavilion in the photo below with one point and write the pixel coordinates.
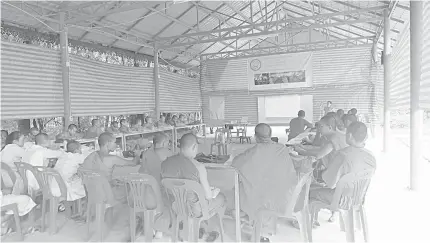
(223, 61)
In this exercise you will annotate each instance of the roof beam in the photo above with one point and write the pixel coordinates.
(13, 4)
(290, 48)
(172, 22)
(357, 7)
(135, 23)
(391, 8)
(243, 22)
(180, 22)
(79, 6)
(125, 8)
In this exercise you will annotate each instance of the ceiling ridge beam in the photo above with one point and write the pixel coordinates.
(329, 15)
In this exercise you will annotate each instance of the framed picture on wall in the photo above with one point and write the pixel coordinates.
(280, 77)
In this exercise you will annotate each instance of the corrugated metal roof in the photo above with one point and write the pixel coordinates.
(148, 19)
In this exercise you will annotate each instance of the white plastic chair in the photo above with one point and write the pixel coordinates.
(303, 216)
(349, 199)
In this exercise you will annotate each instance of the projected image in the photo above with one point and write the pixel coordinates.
(280, 78)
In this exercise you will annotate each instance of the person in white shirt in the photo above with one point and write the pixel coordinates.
(38, 155)
(11, 153)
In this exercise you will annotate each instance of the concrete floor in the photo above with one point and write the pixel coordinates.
(395, 214)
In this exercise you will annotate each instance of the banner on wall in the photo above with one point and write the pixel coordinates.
(280, 71)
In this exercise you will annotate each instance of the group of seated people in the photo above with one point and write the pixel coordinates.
(268, 171)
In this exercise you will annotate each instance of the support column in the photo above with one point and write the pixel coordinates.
(65, 66)
(416, 28)
(387, 79)
(156, 84)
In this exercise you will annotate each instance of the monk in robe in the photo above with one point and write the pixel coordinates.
(162, 122)
(352, 159)
(70, 134)
(184, 166)
(124, 128)
(95, 130)
(348, 119)
(103, 162)
(138, 126)
(268, 176)
(114, 128)
(151, 164)
(149, 125)
(32, 134)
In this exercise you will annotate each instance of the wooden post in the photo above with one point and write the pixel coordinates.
(65, 66)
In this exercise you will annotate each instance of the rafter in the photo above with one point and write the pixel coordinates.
(135, 23)
(377, 14)
(207, 36)
(172, 22)
(243, 22)
(125, 8)
(290, 48)
(391, 8)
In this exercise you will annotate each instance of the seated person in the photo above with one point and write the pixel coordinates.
(340, 113)
(138, 126)
(267, 172)
(298, 125)
(335, 141)
(124, 128)
(348, 120)
(11, 153)
(353, 112)
(352, 159)
(162, 122)
(67, 166)
(114, 128)
(32, 134)
(24, 204)
(95, 130)
(184, 166)
(39, 155)
(173, 121)
(70, 134)
(103, 162)
(4, 134)
(149, 125)
(182, 121)
(152, 158)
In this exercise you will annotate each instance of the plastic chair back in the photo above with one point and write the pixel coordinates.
(180, 189)
(351, 190)
(137, 186)
(304, 182)
(23, 168)
(10, 173)
(95, 186)
(220, 136)
(48, 177)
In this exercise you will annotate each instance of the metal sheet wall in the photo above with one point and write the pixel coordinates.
(179, 93)
(400, 83)
(98, 88)
(329, 68)
(31, 84)
(425, 76)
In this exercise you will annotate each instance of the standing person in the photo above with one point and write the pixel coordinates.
(298, 125)
(328, 108)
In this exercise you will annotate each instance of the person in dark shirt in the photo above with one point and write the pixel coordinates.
(298, 125)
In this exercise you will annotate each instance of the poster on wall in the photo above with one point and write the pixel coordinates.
(280, 72)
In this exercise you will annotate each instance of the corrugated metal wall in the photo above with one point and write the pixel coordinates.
(179, 93)
(343, 76)
(400, 83)
(98, 88)
(425, 76)
(31, 83)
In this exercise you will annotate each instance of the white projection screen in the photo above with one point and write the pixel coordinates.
(281, 109)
